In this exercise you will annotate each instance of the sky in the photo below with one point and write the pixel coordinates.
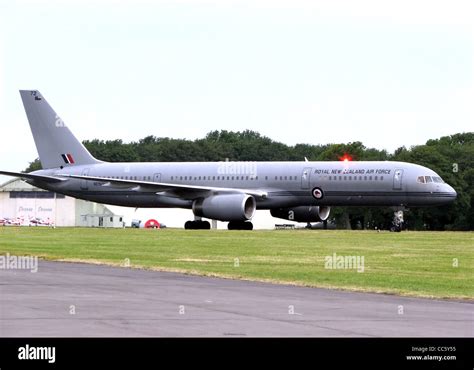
(387, 73)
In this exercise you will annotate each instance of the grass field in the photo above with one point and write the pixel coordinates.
(408, 263)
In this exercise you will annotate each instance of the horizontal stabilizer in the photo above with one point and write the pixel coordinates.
(31, 176)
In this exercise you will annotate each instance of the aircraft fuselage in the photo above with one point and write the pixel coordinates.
(286, 184)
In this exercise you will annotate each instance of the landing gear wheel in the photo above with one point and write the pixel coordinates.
(240, 225)
(395, 229)
(197, 225)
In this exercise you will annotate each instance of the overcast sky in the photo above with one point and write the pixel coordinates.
(384, 73)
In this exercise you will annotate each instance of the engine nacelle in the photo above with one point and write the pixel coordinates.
(302, 213)
(226, 207)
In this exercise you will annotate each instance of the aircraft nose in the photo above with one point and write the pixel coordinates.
(452, 193)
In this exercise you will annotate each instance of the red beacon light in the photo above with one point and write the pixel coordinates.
(345, 158)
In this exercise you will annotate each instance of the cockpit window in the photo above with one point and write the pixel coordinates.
(429, 179)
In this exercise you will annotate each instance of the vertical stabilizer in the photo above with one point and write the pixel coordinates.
(56, 144)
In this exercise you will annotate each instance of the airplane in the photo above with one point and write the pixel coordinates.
(227, 191)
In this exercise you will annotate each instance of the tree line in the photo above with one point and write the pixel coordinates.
(452, 157)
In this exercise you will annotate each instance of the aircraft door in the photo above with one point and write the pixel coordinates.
(397, 180)
(85, 183)
(305, 178)
(157, 177)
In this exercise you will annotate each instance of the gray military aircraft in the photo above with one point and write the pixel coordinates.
(227, 191)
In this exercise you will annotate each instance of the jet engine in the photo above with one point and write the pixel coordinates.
(302, 213)
(226, 207)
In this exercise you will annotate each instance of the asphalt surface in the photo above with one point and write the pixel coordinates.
(76, 300)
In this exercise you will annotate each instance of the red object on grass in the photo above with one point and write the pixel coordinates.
(152, 224)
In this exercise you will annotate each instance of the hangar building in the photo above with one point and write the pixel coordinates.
(23, 202)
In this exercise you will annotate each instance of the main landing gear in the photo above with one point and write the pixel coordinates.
(205, 225)
(240, 225)
(197, 225)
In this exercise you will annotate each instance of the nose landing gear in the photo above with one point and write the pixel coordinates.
(397, 223)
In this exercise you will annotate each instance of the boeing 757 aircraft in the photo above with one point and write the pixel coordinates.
(226, 191)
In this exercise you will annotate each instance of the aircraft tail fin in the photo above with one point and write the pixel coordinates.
(56, 144)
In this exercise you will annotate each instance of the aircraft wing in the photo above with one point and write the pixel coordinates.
(165, 187)
(31, 176)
